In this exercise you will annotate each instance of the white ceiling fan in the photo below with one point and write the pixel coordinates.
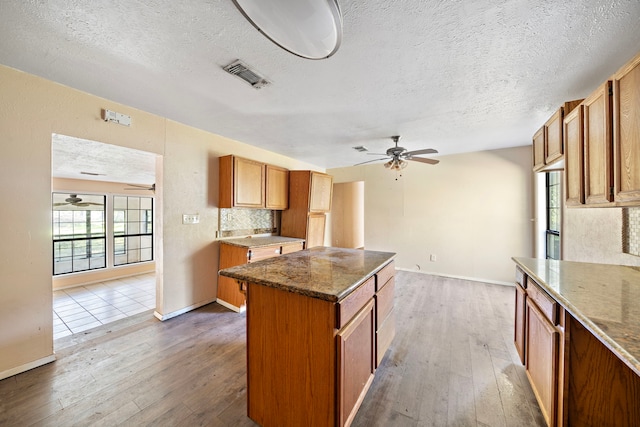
(398, 156)
(151, 187)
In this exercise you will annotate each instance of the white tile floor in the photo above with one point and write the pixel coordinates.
(85, 307)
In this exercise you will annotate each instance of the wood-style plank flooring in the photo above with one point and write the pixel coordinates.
(452, 363)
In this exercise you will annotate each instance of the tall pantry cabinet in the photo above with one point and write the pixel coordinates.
(309, 202)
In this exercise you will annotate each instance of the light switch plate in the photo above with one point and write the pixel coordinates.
(190, 218)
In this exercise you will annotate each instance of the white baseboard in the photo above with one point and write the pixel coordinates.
(27, 366)
(164, 317)
(473, 279)
(231, 306)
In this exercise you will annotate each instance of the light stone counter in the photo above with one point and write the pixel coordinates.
(257, 242)
(604, 298)
(324, 273)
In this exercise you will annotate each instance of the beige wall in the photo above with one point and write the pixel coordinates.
(471, 210)
(31, 109)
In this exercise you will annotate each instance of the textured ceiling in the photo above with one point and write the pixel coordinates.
(456, 76)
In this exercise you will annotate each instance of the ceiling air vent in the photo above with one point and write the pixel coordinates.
(242, 70)
(361, 148)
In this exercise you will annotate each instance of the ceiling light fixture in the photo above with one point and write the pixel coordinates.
(311, 29)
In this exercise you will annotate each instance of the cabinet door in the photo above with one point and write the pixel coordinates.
(598, 146)
(555, 145)
(520, 323)
(315, 230)
(542, 361)
(277, 188)
(627, 132)
(356, 367)
(321, 188)
(248, 183)
(538, 149)
(574, 157)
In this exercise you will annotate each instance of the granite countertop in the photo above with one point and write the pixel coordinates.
(257, 242)
(324, 273)
(604, 298)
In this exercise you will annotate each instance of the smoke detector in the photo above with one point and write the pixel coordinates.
(242, 71)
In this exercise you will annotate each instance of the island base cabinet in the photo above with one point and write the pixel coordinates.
(356, 362)
(520, 321)
(602, 390)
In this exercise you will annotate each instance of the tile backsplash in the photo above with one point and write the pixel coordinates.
(245, 221)
(631, 231)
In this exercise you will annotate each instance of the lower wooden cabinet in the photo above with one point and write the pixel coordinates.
(229, 294)
(542, 361)
(356, 353)
(520, 321)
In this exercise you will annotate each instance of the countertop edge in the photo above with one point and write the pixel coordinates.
(307, 292)
(602, 336)
(249, 244)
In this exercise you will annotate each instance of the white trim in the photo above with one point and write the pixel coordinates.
(164, 317)
(231, 306)
(474, 279)
(27, 366)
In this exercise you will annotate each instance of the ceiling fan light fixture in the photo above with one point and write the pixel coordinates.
(310, 29)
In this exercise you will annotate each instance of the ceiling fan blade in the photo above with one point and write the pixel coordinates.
(60, 204)
(423, 151)
(377, 154)
(376, 160)
(423, 160)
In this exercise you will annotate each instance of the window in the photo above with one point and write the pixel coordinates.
(132, 229)
(78, 232)
(554, 208)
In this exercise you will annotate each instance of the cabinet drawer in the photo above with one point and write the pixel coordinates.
(287, 249)
(256, 254)
(545, 303)
(384, 302)
(348, 307)
(385, 273)
(384, 336)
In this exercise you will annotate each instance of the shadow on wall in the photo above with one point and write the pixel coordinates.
(213, 167)
(204, 265)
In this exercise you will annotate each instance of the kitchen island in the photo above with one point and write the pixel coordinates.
(318, 324)
(578, 333)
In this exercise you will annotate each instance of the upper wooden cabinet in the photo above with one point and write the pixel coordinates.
(277, 188)
(538, 149)
(309, 198)
(555, 145)
(574, 159)
(320, 195)
(626, 135)
(250, 184)
(598, 171)
(548, 141)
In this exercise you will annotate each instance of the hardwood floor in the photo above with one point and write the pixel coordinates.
(452, 363)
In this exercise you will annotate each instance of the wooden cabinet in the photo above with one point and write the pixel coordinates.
(310, 361)
(574, 159)
(241, 183)
(548, 141)
(542, 361)
(519, 335)
(598, 156)
(309, 200)
(245, 183)
(356, 362)
(229, 294)
(626, 135)
(277, 188)
(539, 149)
(385, 315)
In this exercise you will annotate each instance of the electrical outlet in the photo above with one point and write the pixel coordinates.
(190, 218)
(433, 258)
